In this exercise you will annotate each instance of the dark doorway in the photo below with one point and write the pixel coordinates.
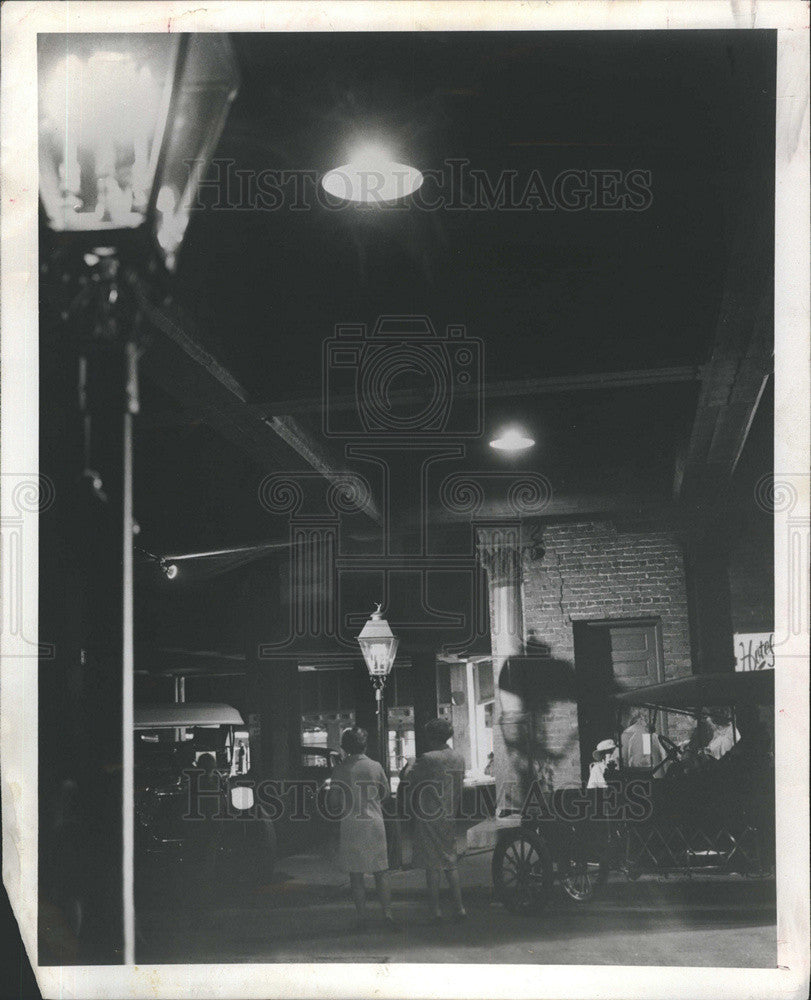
(611, 655)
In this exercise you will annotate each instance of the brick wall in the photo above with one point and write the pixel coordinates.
(594, 570)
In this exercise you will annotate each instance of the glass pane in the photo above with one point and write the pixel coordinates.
(484, 682)
(209, 84)
(313, 736)
(102, 111)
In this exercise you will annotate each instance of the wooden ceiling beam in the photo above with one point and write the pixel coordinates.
(188, 373)
(739, 367)
(517, 388)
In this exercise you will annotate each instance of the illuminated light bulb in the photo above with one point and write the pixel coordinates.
(372, 176)
(512, 440)
(88, 106)
(170, 570)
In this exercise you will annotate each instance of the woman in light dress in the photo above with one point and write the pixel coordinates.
(434, 792)
(358, 787)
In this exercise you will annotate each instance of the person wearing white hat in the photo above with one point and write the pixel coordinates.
(605, 759)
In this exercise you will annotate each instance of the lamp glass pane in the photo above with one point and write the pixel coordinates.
(102, 111)
(209, 84)
(379, 655)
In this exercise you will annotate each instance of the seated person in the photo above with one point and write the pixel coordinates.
(641, 747)
(692, 761)
(710, 740)
(604, 764)
(724, 734)
(701, 735)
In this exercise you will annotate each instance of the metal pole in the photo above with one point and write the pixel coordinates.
(180, 697)
(382, 735)
(128, 661)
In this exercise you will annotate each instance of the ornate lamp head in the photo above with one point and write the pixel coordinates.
(379, 647)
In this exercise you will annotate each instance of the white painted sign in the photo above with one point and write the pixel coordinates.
(754, 650)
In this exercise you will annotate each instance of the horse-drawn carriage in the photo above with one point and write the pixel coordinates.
(686, 815)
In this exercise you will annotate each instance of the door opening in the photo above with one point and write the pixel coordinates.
(611, 655)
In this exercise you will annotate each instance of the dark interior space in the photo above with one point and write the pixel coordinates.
(633, 346)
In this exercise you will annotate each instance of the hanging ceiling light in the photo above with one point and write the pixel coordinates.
(372, 176)
(512, 439)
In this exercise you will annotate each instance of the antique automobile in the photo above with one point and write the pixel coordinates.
(192, 797)
(685, 814)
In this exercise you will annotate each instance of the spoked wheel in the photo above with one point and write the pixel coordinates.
(522, 872)
(582, 872)
(580, 879)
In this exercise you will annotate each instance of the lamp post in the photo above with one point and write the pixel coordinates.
(379, 647)
(127, 125)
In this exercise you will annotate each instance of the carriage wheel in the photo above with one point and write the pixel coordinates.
(581, 874)
(522, 872)
(580, 879)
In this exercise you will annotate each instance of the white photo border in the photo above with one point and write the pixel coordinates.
(21, 21)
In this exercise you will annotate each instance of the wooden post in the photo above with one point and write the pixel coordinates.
(500, 552)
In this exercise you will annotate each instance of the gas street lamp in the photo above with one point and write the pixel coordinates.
(379, 647)
(127, 126)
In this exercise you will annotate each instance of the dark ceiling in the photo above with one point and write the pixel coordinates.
(560, 291)
(549, 293)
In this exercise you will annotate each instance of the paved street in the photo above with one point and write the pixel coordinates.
(306, 915)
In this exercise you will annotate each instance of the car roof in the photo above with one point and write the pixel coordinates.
(186, 713)
(700, 690)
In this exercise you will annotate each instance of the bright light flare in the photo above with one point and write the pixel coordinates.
(512, 440)
(100, 125)
(372, 176)
(170, 570)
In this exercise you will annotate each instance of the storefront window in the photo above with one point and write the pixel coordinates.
(327, 705)
(313, 735)
(484, 682)
(402, 745)
(482, 733)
